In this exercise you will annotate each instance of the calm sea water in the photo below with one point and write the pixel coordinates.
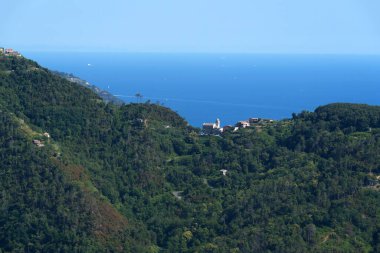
(232, 87)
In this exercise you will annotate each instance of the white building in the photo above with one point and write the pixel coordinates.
(224, 172)
(243, 124)
(212, 128)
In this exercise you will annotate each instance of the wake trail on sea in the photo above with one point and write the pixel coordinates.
(199, 101)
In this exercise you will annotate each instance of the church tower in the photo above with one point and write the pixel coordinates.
(217, 123)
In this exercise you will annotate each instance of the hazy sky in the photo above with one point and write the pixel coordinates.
(260, 26)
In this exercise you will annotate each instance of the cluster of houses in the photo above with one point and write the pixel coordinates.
(9, 52)
(40, 143)
(216, 129)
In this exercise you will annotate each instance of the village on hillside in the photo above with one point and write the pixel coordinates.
(9, 52)
(216, 129)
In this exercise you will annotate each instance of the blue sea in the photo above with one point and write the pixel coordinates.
(232, 87)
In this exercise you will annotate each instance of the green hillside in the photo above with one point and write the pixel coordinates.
(137, 178)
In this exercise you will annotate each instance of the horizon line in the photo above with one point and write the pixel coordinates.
(201, 52)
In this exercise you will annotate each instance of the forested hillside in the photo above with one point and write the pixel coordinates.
(137, 178)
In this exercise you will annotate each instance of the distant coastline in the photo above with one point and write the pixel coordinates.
(231, 87)
(105, 95)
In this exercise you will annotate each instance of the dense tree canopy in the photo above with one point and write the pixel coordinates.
(137, 178)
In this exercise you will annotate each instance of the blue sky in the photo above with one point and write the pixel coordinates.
(228, 26)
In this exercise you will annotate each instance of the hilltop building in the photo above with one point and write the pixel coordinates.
(254, 120)
(228, 127)
(9, 52)
(243, 124)
(216, 129)
(212, 128)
